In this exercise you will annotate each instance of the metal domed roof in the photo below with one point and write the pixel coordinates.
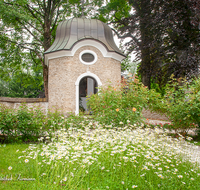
(71, 31)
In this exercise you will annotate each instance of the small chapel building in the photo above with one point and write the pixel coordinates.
(82, 58)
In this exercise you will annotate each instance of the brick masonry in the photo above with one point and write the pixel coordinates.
(15, 103)
(154, 116)
(63, 73)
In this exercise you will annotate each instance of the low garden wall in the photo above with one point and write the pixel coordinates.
(43, 104)
(30, 102)
(154, 116)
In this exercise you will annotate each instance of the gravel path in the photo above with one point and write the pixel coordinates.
(192, 151)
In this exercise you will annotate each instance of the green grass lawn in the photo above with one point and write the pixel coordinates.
(100, 159)
(9, 158)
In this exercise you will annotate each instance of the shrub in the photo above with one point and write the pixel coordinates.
(119, 105)
(22, 124)
(29, 124)
(8, 121)
(193, 105)
(181, 103)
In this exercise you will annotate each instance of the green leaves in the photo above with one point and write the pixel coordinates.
(181, 103)
(28, 29)
(114, 10)
(123, 105)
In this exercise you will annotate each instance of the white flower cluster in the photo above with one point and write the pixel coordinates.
(146, 149)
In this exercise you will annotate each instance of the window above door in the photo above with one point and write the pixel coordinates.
(88, 57)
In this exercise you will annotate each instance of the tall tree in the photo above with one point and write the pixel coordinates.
(28, 26)
(179, 25)
(133, 20)
(164, 33)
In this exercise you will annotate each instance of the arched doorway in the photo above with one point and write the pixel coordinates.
(87, 87)
(86, 84)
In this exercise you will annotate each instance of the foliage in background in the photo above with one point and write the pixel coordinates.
(158, 88)
(23, 85)
(29, 27)
(22, 77)
(125, 64)
(128, 68)
(119, 105)
(181, 103)
(164, 34)
(3, 88)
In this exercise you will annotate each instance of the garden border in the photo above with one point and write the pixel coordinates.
(22, 100)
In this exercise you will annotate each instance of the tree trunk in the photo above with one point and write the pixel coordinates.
(146, 80)
(145, 67)
(47, 45)
(45, 77)
(146, 37)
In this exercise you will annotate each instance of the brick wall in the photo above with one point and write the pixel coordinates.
(63, 73)
(30, 102)
(43, 104)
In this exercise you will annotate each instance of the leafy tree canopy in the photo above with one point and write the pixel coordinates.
(164, 33)
(28, 29)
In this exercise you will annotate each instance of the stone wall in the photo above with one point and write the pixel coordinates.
(30, 102)
(43, 104)
(154, 116)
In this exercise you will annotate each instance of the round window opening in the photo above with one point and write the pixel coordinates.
(88, 57)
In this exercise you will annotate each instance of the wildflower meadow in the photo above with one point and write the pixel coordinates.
(103, 157)
(86, 153)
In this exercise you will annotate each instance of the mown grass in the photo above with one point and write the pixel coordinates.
(102, 158)
(9, 157)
